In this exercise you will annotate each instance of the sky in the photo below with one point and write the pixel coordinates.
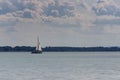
(77, 23)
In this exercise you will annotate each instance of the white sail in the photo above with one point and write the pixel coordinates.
(38, 47)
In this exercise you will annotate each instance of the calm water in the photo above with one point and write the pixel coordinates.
(60, 66)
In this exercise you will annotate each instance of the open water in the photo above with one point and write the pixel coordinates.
(60, 66)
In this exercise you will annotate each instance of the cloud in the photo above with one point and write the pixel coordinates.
(107, 7)
(49, 11)
(58, 10)
(73, 13)
(107, 16)
(13, 6)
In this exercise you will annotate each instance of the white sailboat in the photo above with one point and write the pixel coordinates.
(38, 48)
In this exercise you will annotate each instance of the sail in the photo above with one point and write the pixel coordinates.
(38, 47)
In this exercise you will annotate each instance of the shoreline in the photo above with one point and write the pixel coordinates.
(59, 49)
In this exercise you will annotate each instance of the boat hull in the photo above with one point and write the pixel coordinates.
(36, 52)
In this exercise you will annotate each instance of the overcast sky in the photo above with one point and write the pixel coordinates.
(60, 22)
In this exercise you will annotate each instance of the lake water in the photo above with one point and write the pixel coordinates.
(60, 66)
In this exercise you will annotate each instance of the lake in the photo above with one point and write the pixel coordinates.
(60, 66)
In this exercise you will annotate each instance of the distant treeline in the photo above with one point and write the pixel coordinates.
(16, 49)
(57, 49)
(81, 49)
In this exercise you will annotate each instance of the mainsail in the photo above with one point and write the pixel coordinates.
(38, 47)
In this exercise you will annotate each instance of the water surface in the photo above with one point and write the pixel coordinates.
(60, 66)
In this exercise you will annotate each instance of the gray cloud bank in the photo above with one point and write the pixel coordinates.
(55, 11)
(34, 8)
(49, 9)
(68, 12)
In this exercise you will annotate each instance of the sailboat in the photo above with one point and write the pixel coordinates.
(38, 49)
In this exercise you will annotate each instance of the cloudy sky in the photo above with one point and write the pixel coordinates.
(60, 22)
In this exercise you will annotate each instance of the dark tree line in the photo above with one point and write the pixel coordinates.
(81, 49)
(57, 49)
(17, 48)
